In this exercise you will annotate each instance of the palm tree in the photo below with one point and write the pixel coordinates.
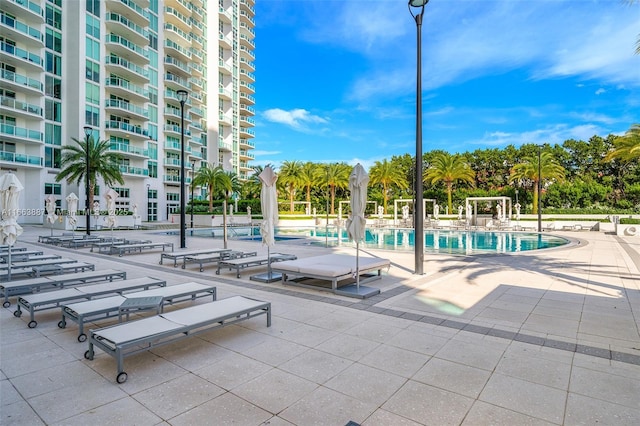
(211, 177)
(336, 175)
(310, 175)
(386, 173)
(449, 169)
(528, 171)
(627, 147)
(290, 177)
(102, 163)
(252, 186)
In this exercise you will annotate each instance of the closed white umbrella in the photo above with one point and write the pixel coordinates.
(10, 188)
(269, 206)
(356, 224)
(72, 208)
(50, 206)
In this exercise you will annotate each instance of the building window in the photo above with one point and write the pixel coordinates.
(92, 116)
(52, 157)
(53, 63)
(52, 134)
(52, 110)
(92, 48)
(52, 188)
(92, 71)
(53, 40)
(92, 94)
(153, 169)
(93, 27)
(52, 86)
(54, 17)
(93, 7)
(122, 192)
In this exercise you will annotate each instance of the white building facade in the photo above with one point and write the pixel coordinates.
(117, 66)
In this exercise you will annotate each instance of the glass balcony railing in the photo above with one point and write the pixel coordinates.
(116, 103)
(173, 45)
(12, 157)
(20, 27)
(172, 178)
(173, 61)
(12, 50)
(134, 170)
(172, 162)
(244, 141)
(34, 7)
(123, 147)
(135, 7)
(114, 17)
(20, 106)
(176, 129)
(117, 60)
(21, 132)
(118, 82)
(120, 125)
(21, 79)
(171, 27)
(115, 38)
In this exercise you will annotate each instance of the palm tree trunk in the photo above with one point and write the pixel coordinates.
(291, 198)
(535, 197)
(333, 197)
(449, 192)
(210, 198)
(385, 196)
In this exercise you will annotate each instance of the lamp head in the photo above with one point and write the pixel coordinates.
(87, 131)
(418, 3)
(182, 95)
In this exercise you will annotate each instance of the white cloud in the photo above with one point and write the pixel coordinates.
(600, 91)
(295, 118)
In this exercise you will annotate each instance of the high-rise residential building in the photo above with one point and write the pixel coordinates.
(118, 66)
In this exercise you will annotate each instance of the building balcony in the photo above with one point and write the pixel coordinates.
(22, 109)
(196, 111)
(225, 68)
(21, 159)
(124, 47)
(176, 83)
(134, 171)
(247, 98)
(247, 64)
(247, 29)
(20, 32)
(174, 16)
(138, 14)
(247, 120)
(247, 53)
(173, 64)
(247, 75)
(20, 57)
(196, 82)
(224, 145)
(198, 27)
(172, 112)
(225, 119)
(225, 15)
(247, 110)
(246, 87)
(176, 179)
(20, 134)
(246, 155)
(173, 162)
(126, 69)
(126, 109)
(247, 143)
(125, 89)
(247, 18)
(248, 6)
(197, 69)
(180, 33)
(246, 41)
(121, 25)
(225, 41)
(126, 129)
(182, 6)
(22, 83)
(172, 128)
(129, 150)
(225, 93)
(177, 51)
(29, 10)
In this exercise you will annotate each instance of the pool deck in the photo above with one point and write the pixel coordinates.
(546, 338)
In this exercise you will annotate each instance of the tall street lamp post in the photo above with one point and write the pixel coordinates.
(182, 97)
(418, 208)
(539, 189)
(193, 169)
(148, 200)
(87, 208)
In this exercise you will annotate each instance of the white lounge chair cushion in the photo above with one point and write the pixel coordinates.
(135, 330)
(208, 311)
(331, 265)
(82, 308)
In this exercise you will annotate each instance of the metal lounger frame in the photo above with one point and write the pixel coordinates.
(177, 332)
(202, 259)
(121, 249)
(83, 293)
(240, 264)
(36, 284)
(112, 310)
(175, 256)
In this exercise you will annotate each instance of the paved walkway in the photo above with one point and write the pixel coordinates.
(534, 338)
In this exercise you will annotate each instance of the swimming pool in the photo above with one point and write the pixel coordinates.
(436, 241)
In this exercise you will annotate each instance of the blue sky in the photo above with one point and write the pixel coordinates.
(336, 80)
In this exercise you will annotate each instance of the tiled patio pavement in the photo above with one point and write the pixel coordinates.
(544, 338)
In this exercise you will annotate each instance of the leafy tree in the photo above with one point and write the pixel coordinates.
(310, 175)
(528, 171)
(290, 177)
(213, 178)
(102, 163)
(449, 169)
(385, 173)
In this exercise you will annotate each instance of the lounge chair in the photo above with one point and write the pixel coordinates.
(333, 268)
(108, 307)
(123, 249)
(201, 259)
(180, 255)
(122, 340)
(54, 299)
(247, 262)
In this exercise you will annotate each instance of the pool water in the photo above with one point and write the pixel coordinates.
(436, 241)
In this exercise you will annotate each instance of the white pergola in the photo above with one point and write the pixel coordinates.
(340, 203)
(503, 201)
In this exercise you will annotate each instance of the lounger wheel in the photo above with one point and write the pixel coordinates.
(88, 355)
(6, 304)
(82, 338)
(121, 378)
(62, 324)
(17, 314)
(32, 324)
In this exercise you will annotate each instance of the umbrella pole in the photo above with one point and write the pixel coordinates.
(358, 265)
(269, 262)
(9, 268)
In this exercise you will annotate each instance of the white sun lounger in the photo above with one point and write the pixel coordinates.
(31, 263)
(333, 268)
(36, 284)
(108, 307)
(180, 255)
(19, 254)
(248, 262)
(201, 259)
(122, 340)
(54, 299)
(123, 249)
